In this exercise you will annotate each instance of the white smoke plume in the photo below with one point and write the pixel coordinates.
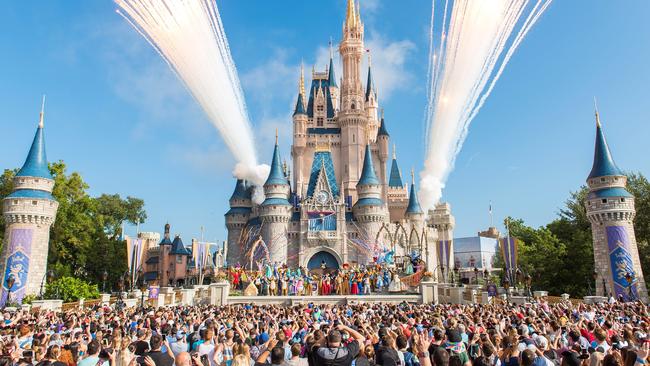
(476, 41)
(189, 36)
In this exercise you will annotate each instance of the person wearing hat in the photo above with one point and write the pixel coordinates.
(330, 351)
(180, 345)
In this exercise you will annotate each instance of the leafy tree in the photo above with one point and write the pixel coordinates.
(6, 186)
(71, 289)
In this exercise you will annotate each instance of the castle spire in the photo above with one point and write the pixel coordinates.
(603, 162)
(368, 176)
(370, 85)
(42, 114)
(36, 162)
(301, 85)
(382, 126)
(395, 177)
(414, 203)
(351, 17)
(276, 175)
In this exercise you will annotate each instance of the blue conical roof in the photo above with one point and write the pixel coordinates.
(603, 162)
(368, 176)
(395, 179)
(36, 162)
(370, 85)
(300, 106)
(331, 77)
(382, 128)
(414, 203)
(276, 175)
(240, 190)
(178, 248)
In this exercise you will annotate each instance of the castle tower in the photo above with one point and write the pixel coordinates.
(300, 121)
(610, 208)
(236, 219)
(372, 104)
(382, 141)
(415, 217)
(164, 259)
(352, 119)
(275, 211)
(29, 211)
(396, 191)
(369, 211)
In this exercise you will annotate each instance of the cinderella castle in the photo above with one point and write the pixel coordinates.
(341, 204)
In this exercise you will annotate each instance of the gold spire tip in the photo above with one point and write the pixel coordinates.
(42, 114)
(596, 112)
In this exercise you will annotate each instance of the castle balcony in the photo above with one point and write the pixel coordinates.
(330, 236)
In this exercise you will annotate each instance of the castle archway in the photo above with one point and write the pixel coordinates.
(319, 257)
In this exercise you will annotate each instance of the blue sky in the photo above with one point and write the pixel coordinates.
(116, 114)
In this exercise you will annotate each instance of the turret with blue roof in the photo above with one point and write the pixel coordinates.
(370, 84)
(35, 167)
(178, 248)
(331, 78)
(276, 187)
(368, 187)
(414, 204)
(395, 177)
(604, 168)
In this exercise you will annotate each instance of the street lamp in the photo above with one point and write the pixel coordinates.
(104, 278)
(506, 285)
(486, 275)
(143, 286)
(457, 272)
(476, 275)
(442, 271)
(11, 280)
(529, 281)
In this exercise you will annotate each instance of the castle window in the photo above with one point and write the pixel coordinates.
(36, 180)
(320, 108)
(34, 203)
(604, 200)
(352, 106)
(179, 259)
(352, 138)
(622, 199)
(319, 122)
(15, 202)
(602, 179)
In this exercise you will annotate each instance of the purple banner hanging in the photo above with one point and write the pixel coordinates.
(621, 263)
(509, 252)
(17, 265)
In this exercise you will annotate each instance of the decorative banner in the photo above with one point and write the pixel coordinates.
(135, 251)
(322, 221)
(153, 292)
(201, 253)
(17, 265)
(509, 252)
(444, 249)
(492, 290)
(621, 263)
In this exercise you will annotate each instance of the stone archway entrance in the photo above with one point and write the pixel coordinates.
(320, 257)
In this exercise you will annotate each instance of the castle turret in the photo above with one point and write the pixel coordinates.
(334, 88)
(369, 210)
(352, 119)
(236, 219)
(275, 211)
(164, 259)
(611, 211)
(371, 104)
(300, 120)
(382, 141)
(396, 191)
(28, 211)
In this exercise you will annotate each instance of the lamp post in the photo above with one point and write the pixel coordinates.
(486, 276)
(604, 285)
(142, 286)
(476, 275)
(506, 286)
(104, 278)
(457, 272)
(11, 280)
(442, 272)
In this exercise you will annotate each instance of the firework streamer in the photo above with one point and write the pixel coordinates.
(476, 41)
(189, 36)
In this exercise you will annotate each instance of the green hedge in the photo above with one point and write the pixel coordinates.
(70, 289)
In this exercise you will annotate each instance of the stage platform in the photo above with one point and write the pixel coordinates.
(330, 299)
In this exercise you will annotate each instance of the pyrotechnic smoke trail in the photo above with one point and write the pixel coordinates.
(462, 75)
(189, 36)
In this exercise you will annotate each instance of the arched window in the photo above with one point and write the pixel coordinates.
(352, 106)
